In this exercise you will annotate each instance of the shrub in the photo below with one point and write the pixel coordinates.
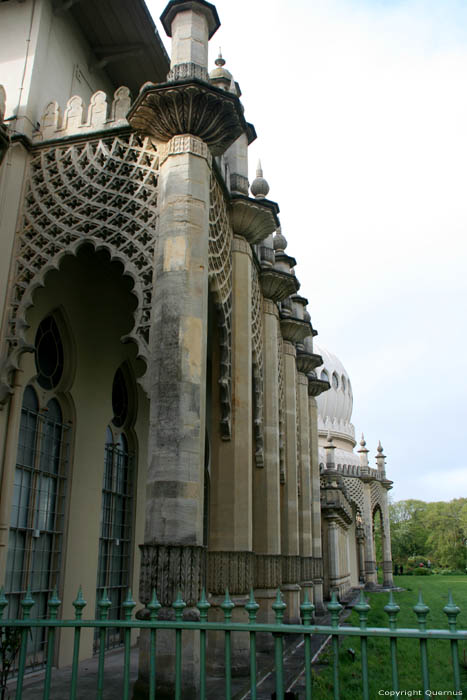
(422, 571)
(452, 572)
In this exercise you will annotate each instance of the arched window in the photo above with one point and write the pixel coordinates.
(324, 375)
(335, 380)
(116, 536)
(37, 513)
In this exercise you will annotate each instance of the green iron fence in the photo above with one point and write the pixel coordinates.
(279, 630)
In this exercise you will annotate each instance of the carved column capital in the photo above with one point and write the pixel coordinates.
(185, 143)
(270, 307)
(241, 245)
(289, 348)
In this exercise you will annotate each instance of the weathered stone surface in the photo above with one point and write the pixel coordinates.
(170, 109)
(276, 284)
(169, 569)
(253, 219)
(268, 572)
(232, 570)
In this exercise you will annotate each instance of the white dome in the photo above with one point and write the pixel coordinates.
(335, 405)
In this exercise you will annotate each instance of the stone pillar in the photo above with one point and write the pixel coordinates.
(316, 502)
(266, 492)
(360, 553)
(305, 508)
(370, 555)
(386, 485)
(386, 537)
(230, 559)
(289, 503)
(173, 556)
(333, 554)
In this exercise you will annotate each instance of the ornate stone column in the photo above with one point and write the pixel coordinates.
(230, 557)
(371, 577)
(178, 115)
(305, 501)
(276, 285)
(290, 543)
(386, 485)
(315, 388)
(360, 535)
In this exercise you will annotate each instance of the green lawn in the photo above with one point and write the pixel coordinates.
(435, 594)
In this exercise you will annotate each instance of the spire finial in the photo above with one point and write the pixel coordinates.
(362, 441)
(219, 60)
(259, 186)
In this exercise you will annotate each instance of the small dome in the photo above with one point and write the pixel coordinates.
(280, 241)
(220, 75)
(259, 186)
(334, 405)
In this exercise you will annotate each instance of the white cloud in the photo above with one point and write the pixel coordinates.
(361, 112)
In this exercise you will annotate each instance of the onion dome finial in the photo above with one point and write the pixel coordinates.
(259, 186)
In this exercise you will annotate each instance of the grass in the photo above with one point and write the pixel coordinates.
(435, 595)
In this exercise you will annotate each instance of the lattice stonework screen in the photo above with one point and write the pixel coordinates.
(354, 491)
(257, 350)
(220, 284)
(102, 191)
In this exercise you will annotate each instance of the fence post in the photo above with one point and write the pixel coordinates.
(452, 611)
(421, 610)
(391, 609)
(334, 608)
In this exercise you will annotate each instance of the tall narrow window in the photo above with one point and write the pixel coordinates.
(115, 543)
(37, 513)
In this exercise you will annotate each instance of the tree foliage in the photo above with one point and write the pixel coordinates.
(437, 531)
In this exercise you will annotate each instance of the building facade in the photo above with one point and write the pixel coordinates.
(166, 421)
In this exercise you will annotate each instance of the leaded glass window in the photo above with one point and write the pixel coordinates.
(49, 354)
(37, 513)
(116, 536)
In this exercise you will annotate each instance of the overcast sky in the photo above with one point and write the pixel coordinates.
(361, 112)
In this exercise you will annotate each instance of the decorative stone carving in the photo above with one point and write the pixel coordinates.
(187, 71)
(258, 381)
(220, 284)
(294, 329)
(254, 220)
(291, 568)
(121, 105)
(268, 570)
(232, 570)
(239, 183)
(317, 386)
(308, 361)
(277, 285)
(280, 365)
(335, 506)
(212, 114)
(307, 569)
(185, 143)
(354, 488)
(102, 191)
(97, 116)
(169, 569)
